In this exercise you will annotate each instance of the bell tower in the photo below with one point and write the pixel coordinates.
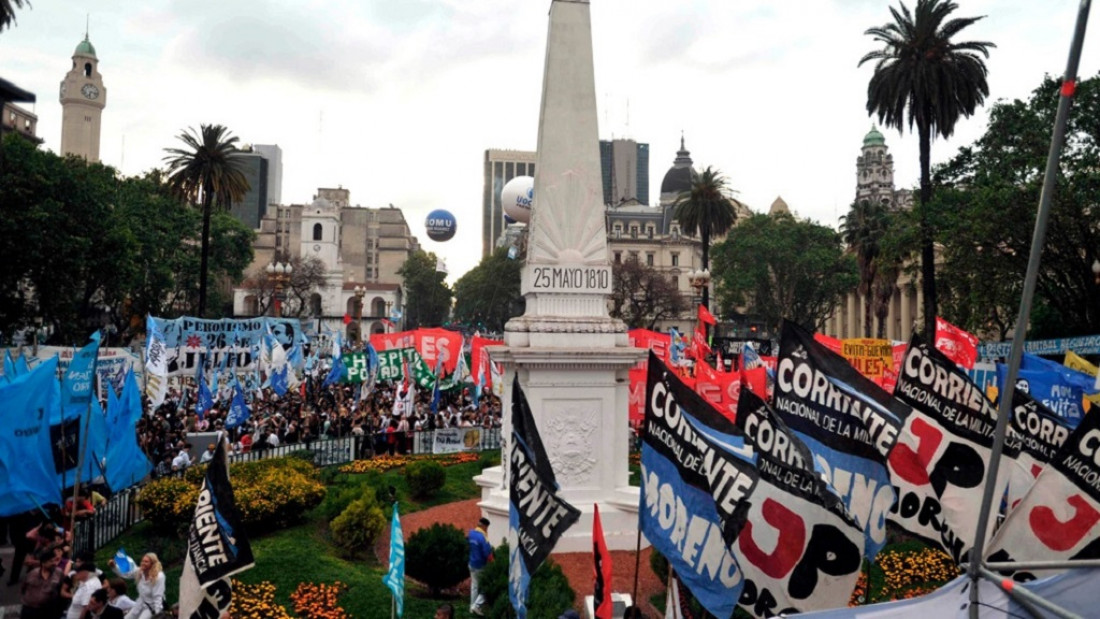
(83, 98)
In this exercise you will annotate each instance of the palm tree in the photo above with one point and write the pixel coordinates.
(7, 11)
(862, 229)
(925, 79)
(706, 209)
(208, 172)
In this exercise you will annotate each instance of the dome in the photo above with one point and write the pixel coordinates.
(874, 138)
(321, 204)
(84, 48)
(779, 206)
(679, 177)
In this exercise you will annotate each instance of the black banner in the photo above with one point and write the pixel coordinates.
(768, 433)
(65, 438)
(216, 544)
(543, 516)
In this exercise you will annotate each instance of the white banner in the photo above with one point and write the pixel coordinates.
(1059, 519)
(453, 440)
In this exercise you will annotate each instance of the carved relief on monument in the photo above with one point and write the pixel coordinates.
(568, 428)
(568, 221)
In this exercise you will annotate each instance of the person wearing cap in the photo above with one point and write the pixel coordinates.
(85, 581)
(481, 552)
(98, 608)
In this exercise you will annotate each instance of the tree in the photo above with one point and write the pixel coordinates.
(7, 11)
(922, 78)
(428, 299)
(862, 229)
(308, 274)
(642, 296)
(778, 267)
(208, 172)
(706, 210)
(987, 197)
(488, 295)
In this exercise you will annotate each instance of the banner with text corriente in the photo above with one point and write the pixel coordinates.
(1059, 519)
(1042, 434)
(216, 545)
(537, 516)
(848, 422)
(939, 464)
(697, 474)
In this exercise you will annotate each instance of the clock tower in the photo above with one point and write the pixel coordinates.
(83, 98)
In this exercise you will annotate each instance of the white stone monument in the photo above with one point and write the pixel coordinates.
(572, 358)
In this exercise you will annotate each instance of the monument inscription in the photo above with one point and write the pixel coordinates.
(566, 278)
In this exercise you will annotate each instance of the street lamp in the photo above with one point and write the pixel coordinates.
(699, 280)
(360, 291)
(279, 273)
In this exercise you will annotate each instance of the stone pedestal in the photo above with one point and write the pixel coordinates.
(571, 357)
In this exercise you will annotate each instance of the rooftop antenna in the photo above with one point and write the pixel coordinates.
(87, 23)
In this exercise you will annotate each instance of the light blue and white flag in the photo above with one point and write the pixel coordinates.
(238, 410)
(395, 577)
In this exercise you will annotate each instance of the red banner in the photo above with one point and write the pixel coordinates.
(601, 596)
(959, 346)
(479, 365)
(390, 341)
(439, 344)
(720, 389)
(659, 343)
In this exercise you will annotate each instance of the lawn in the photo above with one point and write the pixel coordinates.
(304, 553)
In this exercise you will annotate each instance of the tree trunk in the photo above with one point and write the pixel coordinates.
(207, 204)
(706, 266)
(927, 248)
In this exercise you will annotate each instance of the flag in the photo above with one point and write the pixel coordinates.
(216, 545)
(440, 265)
(395, 315)
(336, 373)
(238, 410)
(9, 366)
(79, 380)
(395, 577)
(601, 596)
(124, 562)
(438, 380)
(959, 346)
(205, 399)
(21, 365)
(279, 381)
(705, 316)
(537, 515)
(126, 462)
(29, 402)
(156, 363)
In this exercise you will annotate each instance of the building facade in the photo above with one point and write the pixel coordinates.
(625, 168)
(83, 97)
(362, 249)
(875, 181)
(19, 120)
(501, 166)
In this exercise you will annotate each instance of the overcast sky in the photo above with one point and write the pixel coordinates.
(397, 100)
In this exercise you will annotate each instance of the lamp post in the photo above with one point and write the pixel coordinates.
(37, 328)
(360, 291)
(279, 274)
(700, 281)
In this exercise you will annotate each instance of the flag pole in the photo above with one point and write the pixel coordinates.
(637, 564)
(1069, 83)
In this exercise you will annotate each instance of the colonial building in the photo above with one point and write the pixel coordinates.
(875, 181)
(83, 97)
(361, 249)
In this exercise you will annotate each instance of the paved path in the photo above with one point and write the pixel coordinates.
(577, 566)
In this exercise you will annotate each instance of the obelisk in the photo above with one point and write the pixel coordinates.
(571, 357)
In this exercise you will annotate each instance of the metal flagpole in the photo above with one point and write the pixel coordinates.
(1069, 83)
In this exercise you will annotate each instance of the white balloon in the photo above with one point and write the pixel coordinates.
(517, 196)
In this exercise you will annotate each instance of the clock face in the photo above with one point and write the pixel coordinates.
(89, 91)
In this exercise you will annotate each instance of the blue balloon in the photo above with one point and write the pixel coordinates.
(441, 225)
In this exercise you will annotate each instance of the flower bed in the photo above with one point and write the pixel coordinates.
(313, 601)
(386, 463)
(255, 602)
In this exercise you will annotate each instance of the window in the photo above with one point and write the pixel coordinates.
(649, 259)
(633, 232)
(618, 230)
(675, 260)
(649, 231)
(87, 69)
(675, 280)
(317, 232)
(633, 256)
(618, 257)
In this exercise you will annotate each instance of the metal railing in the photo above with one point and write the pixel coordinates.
(121, 512)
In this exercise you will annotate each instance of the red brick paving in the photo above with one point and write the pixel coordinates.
(577, 566)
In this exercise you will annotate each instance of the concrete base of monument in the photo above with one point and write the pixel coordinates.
(618, 514)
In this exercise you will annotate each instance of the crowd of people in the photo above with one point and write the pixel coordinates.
(312, 412)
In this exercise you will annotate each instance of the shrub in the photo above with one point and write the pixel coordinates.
(425, 478)
(659, 564)
(270, 494)
(488, 459)
(438, 556)
(356, 528)
(548, 595)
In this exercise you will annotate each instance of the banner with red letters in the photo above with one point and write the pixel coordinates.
(1059, 519)
(431, 344)
(1042, 434)
(940, 461)
(659, 343)
(960, 346)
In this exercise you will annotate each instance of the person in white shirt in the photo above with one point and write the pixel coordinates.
(85, 581)
(150, 585)
(182, 459)
(117, 594)
(207, 455)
